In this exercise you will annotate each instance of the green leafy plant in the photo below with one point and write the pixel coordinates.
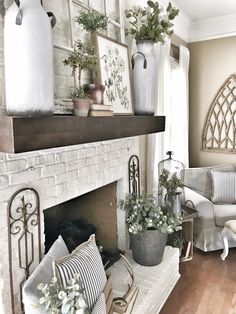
(92, 21)
(80, 93)
(63, 300)
(82, 58)
(170, 182)
(144, 213)
(151, 22)
(175, 239)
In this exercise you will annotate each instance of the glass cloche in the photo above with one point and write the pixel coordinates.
(170, 184)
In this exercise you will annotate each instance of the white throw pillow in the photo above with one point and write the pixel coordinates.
(43, 273)
(224, 187)
(199, 179)
(86, 261)
(100, 305)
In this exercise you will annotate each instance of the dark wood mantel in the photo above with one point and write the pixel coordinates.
(22, 134)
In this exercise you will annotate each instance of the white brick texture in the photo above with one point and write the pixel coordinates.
(59, 175)
(63, 173)
(154, 283)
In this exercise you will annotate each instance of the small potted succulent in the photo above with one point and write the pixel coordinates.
(92, 22)
(82, 58)
(148, 226)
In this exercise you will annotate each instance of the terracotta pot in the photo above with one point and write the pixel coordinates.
(81, 107)
(96, 92)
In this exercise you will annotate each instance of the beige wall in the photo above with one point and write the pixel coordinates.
(211, 64)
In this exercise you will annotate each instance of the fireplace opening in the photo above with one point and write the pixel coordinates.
(76, 219)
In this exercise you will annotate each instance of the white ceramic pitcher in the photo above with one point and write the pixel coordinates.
(144, 79)
(28, 54)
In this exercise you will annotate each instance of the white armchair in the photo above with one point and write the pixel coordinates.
(212, 217)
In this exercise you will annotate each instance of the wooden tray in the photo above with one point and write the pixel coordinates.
(188, 212)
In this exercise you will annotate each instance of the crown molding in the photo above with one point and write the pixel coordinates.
(218, 27)
(181, 26)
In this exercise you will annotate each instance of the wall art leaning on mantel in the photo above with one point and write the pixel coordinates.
(219, 132)
(114, 74)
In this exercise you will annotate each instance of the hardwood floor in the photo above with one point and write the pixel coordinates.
(207, 286)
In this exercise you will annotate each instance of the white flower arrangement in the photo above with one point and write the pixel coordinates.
(144, 213)
(63, 300)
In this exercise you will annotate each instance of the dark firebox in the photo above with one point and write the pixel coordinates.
(75, 233)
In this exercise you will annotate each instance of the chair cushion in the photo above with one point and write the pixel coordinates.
(231, 224)
(199, 179)
(86, 261)
(224, 213)
(224, 187)
(100, 305)
(43, 273)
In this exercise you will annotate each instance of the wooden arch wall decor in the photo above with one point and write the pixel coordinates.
(219, 132)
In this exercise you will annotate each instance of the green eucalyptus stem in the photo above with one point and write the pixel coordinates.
(151, 23)
(144, 213)
(170, 182)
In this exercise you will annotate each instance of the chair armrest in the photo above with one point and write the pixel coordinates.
(204, 207)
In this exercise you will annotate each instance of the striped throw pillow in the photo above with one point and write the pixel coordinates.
(86, 261)
(100, 305)
(224, 187)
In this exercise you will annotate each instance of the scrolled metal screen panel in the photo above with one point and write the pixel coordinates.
(219, 132)
(24, 240)
(134, 175)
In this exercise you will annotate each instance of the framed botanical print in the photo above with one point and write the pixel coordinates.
(114, 74)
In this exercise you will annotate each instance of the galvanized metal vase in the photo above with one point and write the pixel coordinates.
(148, 247)
(173, 203)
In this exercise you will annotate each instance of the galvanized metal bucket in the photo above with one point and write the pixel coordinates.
(148, 247)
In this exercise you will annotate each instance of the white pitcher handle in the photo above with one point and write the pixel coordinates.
(144, 57)
(2, 8)
(19, 14)
(53, 18)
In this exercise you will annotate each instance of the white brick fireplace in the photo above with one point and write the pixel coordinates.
(59, 175)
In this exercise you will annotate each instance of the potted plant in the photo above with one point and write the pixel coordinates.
(148, 25)
(148, 226)
(81, 59)
(171, 186)
(81, 102)
(92, 22)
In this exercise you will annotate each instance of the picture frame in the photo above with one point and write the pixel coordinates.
(114, 73)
